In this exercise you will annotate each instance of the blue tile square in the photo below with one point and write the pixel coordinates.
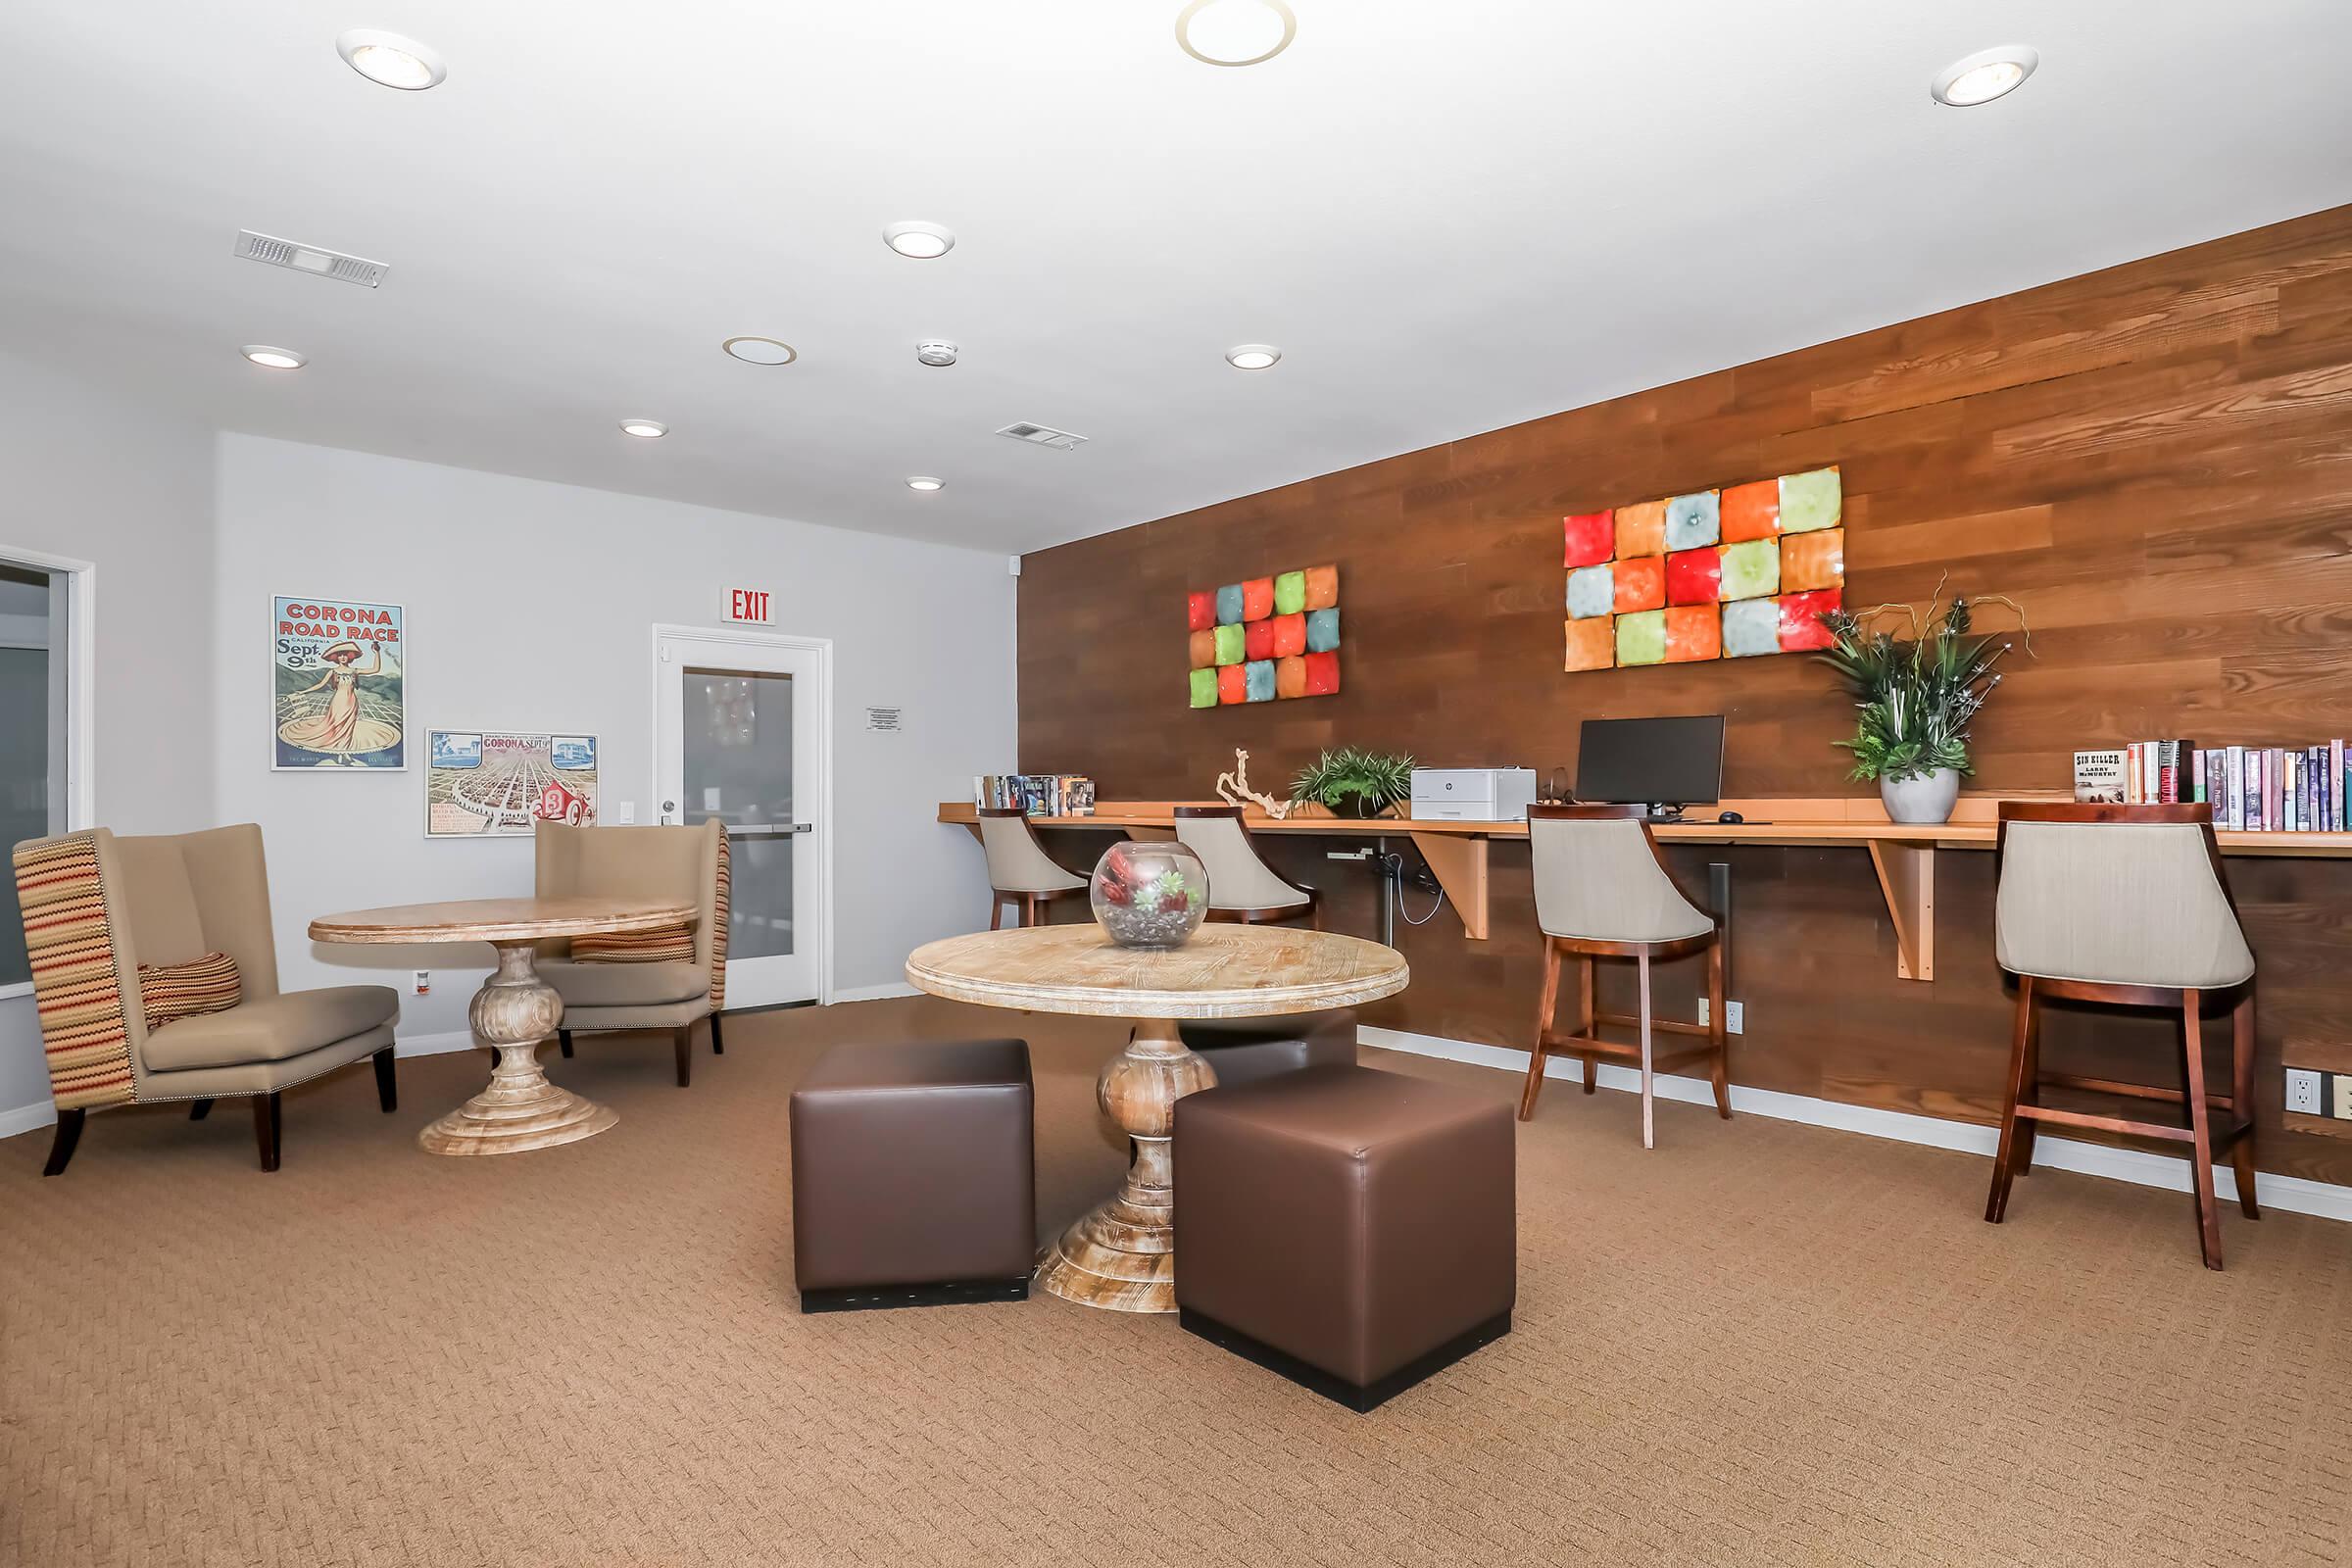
(1692, 523)
(1322, 630)
(1229, 605)
(1257, 680)
(1591, 591)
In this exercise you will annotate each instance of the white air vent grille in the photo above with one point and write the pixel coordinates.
(309, 259)
(1044, 435)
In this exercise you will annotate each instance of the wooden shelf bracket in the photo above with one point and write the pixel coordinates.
(1907, 877)
(1460, 864)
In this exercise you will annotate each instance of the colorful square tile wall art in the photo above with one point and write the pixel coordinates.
(1264, 639)
(1730, 574)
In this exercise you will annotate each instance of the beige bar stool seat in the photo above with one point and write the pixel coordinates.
(1019, 870)
(1242, 887)
(2126, 904)
(1603, 891)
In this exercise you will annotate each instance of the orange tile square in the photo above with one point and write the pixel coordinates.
(1640, 584)
(1289, 676)
(1642, 530)
(1204, 649)
(1810, 560)
(1322, 587)
(1590, 644)
(1751, 512)
(1694, 632)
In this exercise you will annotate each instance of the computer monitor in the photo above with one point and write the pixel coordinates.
(1664, 762)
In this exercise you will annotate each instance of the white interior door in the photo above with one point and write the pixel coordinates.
(739, 735)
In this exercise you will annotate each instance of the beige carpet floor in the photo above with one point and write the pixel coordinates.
(1759, 1344)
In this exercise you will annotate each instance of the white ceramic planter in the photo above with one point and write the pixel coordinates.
(1929, 798)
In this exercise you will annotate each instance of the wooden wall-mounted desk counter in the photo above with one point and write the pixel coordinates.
(1902, 853)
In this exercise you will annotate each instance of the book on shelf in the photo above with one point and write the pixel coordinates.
(2099, 777)
(2252, 789)
(1038, 794)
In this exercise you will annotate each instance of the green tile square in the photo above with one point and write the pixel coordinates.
(1204, 687)
(1751, 569)
(1290, 593)
(1232, 645)
(1811, 501)
(1642, 637)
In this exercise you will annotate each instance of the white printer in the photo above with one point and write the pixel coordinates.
(1473, 794)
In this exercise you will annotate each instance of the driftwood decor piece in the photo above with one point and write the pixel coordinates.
(1234, 789)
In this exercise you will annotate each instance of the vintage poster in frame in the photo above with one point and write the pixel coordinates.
(339, 684)
(496, 783)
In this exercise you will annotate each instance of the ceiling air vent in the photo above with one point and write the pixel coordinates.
(309, 259)
(1044, 435)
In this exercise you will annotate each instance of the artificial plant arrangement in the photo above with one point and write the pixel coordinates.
(1354, 782)
(1916, 697)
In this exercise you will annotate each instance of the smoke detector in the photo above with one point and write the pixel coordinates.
(311, 258)
(1044, 435)
(935, 351)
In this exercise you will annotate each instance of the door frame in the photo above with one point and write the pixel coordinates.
(81, 689)
(822, 648)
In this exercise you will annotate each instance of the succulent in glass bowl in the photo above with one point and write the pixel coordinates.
(1150, 894)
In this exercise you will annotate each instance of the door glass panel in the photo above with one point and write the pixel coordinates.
(738, 768)
(31, 757)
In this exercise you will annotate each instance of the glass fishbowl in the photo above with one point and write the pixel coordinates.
(1149, 894)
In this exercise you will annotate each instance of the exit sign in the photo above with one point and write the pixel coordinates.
(753, 605)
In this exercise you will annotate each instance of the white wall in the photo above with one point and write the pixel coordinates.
(101, 478)
(529, 606)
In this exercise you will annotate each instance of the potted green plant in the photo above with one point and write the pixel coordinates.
(1354, 782)
(1916, 697)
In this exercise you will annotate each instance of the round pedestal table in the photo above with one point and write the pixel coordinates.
(1122, 1256)
(515, 1012)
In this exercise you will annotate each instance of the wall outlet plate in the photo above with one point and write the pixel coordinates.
(2343, 1096)
(2303, 1091)
(422, 983)
(1734, 1016)
(625, 812)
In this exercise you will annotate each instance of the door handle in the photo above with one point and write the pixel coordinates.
(770, 830)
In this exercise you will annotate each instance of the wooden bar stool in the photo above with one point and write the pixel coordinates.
(2126, 904)
(1019, 870)
(1242, 886)
(1604, 890)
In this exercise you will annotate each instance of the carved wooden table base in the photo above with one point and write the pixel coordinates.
(520, 1110)
(1123, 1254)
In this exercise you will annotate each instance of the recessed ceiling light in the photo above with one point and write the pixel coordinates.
(760, 349)
(646, 429)
(923, 481)
(274, 358)
(390, 60)
(922, 241)
(1235, 32)
(1984, 76)
(1254, 356)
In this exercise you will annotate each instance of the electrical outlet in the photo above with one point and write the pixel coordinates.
(1734, 1016)
(422, 985)
(2303, 1091)
(2343, 1096)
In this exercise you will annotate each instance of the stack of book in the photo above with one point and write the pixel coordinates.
(1038, 794)
(2255, 789)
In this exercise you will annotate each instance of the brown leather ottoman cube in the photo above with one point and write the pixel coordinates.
(1353, 1230)
(1245, 1050)
(912, 1179)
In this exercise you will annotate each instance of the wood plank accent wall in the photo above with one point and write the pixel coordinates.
(2155, 460)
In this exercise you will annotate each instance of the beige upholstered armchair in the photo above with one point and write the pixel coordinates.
(155, 975)
(649, 980)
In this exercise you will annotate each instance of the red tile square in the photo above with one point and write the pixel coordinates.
(1800, 631)
(1322, 675)
(1258, 639)
(1290, 635)
(1640, 582)
(1201, 609)
(1232, 685)
(1257, 600)
(1591, 537)
(1694, 576)
(1694, 632)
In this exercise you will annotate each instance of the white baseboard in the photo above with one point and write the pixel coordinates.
(2295, 1194)
(435, 1045)
(880, 993)
(26, 1119)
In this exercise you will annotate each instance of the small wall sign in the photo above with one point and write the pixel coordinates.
(887, 720)
(753, 607)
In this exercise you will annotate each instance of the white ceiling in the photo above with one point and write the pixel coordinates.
(1450, 215)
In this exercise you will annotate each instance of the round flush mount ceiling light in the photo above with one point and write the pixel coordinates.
(1984, 76)
(924, 482)
(274, 359)
(760, 349)
(644, 429)
(1235, 32)
(922, 241)
(391, 61)
(1254, 356)
(935, 351)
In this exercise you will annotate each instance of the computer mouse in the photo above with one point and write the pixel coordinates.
(1731, 817)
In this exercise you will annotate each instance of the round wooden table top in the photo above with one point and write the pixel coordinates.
(502, 919)
(1225, 971)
